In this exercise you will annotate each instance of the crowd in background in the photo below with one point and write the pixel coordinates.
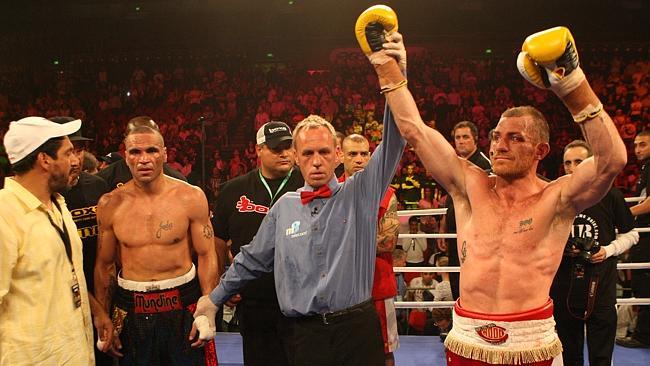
(228, 104)
(232, 102)
(235, 101)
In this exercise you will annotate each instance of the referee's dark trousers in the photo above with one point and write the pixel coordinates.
(351, 337)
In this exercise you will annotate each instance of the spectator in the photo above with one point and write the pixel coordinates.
(641, 252)
(428, 223)
(172, 160)
(90, 163)
(415, 248)
(420, 289)
(250, 155)
(409, 188)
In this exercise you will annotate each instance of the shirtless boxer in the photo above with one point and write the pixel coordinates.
(356, 155)
(152, 225)
(513, 225)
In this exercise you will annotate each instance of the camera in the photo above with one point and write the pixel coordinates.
(586, 248)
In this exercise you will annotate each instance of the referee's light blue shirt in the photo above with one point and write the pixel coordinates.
(323, 253)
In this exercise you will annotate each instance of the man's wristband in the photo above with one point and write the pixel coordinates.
(393, 88)
(390, 76)
(588, 113)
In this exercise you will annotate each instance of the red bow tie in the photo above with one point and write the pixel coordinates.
(322, 192)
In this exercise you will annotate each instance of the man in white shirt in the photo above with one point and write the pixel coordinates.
(414, 247)
(44, 310)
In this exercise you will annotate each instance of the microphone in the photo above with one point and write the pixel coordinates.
(314, 212)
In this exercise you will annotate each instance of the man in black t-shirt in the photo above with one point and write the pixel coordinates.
(465, 136)
(641, 252)
(240, 208)
(82, 200)
(118, 172)
(583, 270)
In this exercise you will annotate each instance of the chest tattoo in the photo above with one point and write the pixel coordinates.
(525, 225)
(164, 226)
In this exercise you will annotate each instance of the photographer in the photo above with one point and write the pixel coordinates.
(584, 288)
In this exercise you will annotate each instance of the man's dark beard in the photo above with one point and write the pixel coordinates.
(58, 183)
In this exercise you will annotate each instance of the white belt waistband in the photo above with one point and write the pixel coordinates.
(522, 334)
(147, 286)
(518, 342)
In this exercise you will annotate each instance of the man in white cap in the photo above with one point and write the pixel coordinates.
(44, 311)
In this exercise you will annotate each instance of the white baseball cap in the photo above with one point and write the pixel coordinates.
(28, 134)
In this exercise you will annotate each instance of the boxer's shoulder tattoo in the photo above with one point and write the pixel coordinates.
(388, 228)
(207, 231)
(525, 225)
(164, 226)
(463, 252)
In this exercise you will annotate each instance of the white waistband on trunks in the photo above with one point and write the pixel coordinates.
(504, 342)
(139, 286)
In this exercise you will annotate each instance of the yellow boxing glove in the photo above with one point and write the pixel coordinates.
(549, 60)
(371, 25)
(370, 29)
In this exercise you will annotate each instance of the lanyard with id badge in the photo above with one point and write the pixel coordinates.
(65, 237)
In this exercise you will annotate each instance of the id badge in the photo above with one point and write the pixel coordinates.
(76, 293)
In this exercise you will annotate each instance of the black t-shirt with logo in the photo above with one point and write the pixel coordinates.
(240, 207)
(82, 203)
(118, 173)
(598, 222)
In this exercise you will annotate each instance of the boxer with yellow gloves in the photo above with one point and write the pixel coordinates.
(512, 226)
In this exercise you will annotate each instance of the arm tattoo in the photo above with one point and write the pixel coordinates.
(110, 290)
(387, 235)
(463, 252)
(207, 231)
(163, 226)
(388, 228)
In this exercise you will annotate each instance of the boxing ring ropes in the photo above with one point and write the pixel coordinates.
(449, 304)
